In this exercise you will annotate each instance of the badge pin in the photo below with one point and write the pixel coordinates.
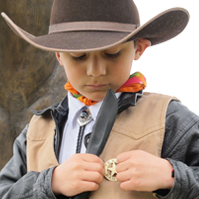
(110, 170)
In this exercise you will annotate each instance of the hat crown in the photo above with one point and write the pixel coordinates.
(92, 25)
(120, 11)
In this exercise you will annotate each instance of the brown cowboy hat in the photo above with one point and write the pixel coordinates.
(90, 25)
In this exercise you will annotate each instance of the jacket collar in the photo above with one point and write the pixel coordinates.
(124, 101)
(128, 99)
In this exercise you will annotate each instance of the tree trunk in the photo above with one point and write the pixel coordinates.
(29, 78)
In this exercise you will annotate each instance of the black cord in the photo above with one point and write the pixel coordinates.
(80, 137)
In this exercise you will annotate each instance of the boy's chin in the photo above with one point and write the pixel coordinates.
(97, 97)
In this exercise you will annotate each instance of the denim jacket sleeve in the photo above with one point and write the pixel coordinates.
(16, 183)
(181, 148)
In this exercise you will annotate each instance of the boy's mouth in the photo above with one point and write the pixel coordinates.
(97, 86)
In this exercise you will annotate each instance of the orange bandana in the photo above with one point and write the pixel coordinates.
(135, 83)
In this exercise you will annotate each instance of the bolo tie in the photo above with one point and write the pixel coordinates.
(83, 119)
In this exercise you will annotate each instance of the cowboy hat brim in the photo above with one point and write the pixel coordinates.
(162, 27)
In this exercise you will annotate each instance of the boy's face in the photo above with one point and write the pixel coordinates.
(93, 73)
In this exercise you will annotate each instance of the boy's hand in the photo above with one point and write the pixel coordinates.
(141, 171)
(79, 173)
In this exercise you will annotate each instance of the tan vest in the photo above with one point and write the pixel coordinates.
(138, 127)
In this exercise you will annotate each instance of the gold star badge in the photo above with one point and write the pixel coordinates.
(110, 169)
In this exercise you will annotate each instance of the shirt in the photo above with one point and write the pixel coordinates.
(71, 129)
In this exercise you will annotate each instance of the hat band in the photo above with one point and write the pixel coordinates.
(89, 25)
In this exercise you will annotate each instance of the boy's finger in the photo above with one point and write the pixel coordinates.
(88, 186)
(123, 176)
(122, 166)
(124, 156)
(127, 186)
(91, 158)
(90, 166)
(82, 186)
(92, 176)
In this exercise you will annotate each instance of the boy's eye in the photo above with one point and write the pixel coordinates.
(81, 56)
(113, 55)
(78, 56)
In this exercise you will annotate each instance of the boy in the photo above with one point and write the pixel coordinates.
(154, 139)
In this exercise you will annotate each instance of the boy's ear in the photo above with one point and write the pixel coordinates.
(59, 58)
(141, 46)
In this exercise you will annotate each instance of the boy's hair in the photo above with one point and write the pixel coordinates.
(135, 42)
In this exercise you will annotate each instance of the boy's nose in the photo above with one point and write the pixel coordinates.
(96, 67)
